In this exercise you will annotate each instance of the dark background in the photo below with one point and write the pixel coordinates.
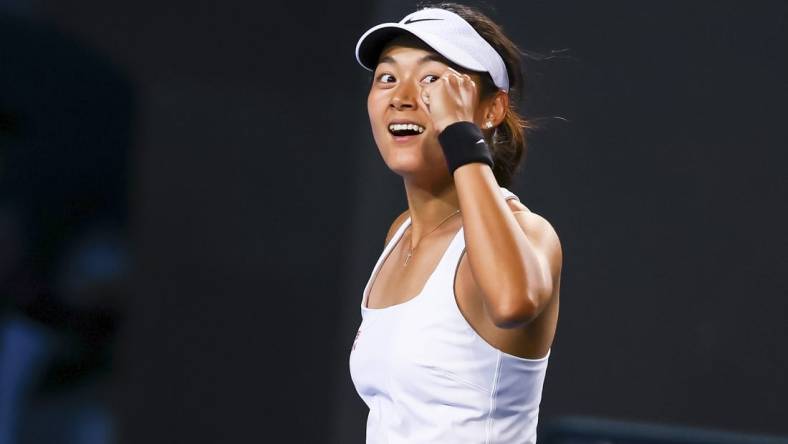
(255, 203)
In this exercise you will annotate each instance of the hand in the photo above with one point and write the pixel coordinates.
(450, 99)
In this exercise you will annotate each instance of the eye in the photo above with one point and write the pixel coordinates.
(386, 78)
(429, 78)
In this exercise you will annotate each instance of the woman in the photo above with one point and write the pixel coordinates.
(460, 311)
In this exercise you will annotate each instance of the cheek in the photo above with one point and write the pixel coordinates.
(374, 98)
(371, 110)
(376, 107)
(479, 117)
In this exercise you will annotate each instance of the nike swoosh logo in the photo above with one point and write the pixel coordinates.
(409, 21)
(479, 141)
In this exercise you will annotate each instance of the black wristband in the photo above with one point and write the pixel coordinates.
(463, 142)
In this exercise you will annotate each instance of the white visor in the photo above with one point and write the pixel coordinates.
(445, 32)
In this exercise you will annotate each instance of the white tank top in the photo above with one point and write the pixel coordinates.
(428, 377)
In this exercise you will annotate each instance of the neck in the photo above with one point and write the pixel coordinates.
(429, 205)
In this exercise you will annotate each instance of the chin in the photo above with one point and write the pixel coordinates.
(410, 158)
(405, 163)
(417, 168)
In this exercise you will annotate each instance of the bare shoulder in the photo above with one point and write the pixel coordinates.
(539, 231)
(394, 225)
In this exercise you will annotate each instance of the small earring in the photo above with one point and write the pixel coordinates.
(489, 124)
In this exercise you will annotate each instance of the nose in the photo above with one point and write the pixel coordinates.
(405, 97)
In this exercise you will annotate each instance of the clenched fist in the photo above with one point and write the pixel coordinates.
(450, 99)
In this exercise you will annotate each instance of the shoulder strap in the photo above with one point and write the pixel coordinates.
(508, 194)
(397, 234)
(393, 241)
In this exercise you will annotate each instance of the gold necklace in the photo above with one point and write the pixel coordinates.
(412, 249)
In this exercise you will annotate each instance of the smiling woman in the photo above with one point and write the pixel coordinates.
(459, 314)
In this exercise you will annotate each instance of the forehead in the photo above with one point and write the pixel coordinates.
(406, 46)
(407, 40)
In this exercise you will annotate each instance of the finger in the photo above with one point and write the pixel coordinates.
(452, 80)
(471, 85)
(451, 75)
(465, 78)
(425, 98)
(470, 81)
(446, 79)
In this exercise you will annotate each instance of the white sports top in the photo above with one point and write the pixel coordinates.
(428, 377)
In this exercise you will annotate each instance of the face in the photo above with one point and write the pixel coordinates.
(401, 124)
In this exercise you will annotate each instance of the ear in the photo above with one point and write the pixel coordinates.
(494, 110)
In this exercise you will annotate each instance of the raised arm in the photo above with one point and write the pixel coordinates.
(515, 259)
(515, 255)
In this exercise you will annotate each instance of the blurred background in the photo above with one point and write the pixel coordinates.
(191, 203)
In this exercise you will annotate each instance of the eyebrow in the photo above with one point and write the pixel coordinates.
(431, 57)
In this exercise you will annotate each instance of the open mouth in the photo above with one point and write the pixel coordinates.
(405, 129)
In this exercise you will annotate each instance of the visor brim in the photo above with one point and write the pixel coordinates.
(372, 43)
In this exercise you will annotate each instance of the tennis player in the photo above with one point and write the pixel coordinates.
(460, 311)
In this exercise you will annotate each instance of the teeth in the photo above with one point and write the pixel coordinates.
(406, 126)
